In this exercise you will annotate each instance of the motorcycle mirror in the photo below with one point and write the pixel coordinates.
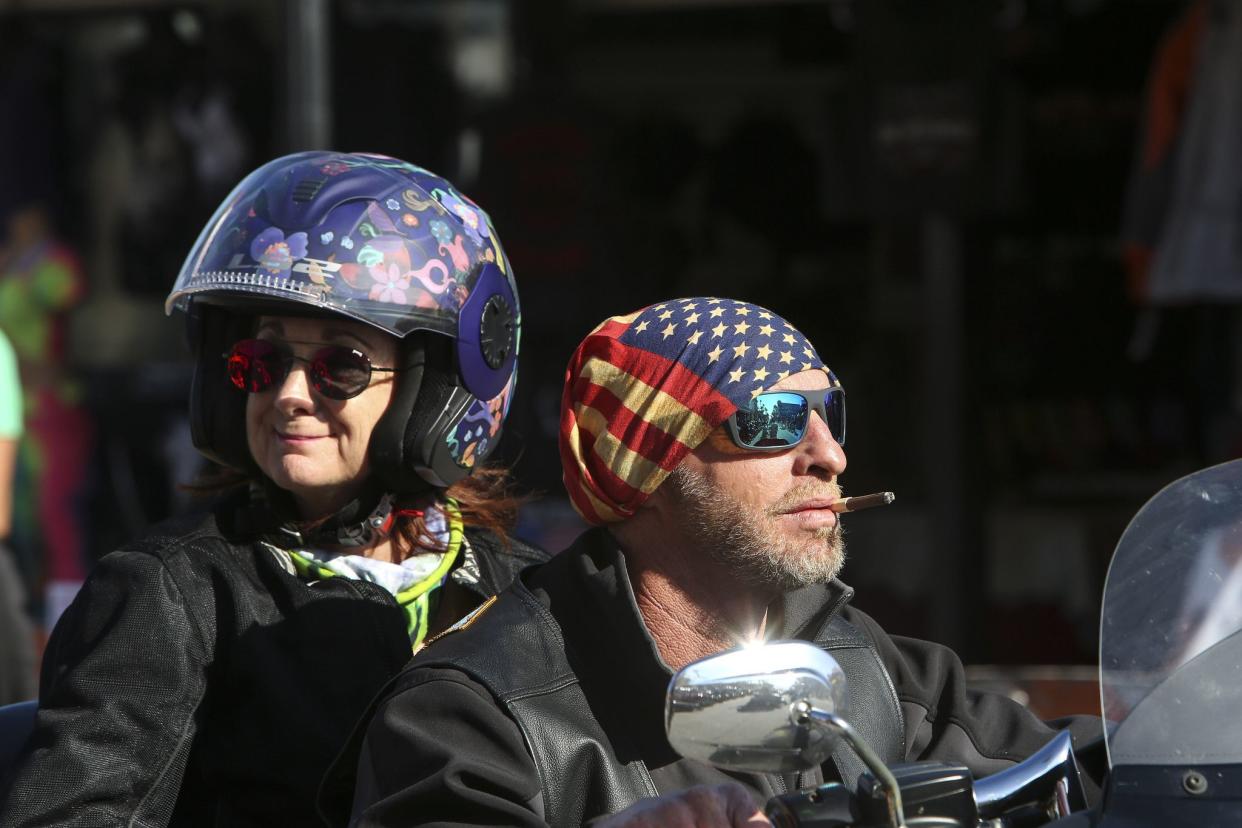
(746, 709)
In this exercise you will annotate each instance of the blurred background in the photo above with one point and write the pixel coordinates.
(1010, 226)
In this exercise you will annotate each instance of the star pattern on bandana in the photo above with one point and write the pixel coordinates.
(742, 349)
(645, 388)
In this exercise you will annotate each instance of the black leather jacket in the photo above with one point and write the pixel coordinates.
(547, 708)
(198, 681)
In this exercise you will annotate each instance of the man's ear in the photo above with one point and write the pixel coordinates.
(649, 519)
(662, 500)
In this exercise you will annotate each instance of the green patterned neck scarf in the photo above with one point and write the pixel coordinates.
(415, 583)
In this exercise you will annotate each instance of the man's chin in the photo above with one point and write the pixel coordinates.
(817, 562)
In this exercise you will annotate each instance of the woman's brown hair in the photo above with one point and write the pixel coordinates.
(485, 498)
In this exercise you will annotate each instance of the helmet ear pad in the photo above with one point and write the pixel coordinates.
(411, 446)
(216, 407)
(392, 453)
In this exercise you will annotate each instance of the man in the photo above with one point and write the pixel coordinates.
(703, 439)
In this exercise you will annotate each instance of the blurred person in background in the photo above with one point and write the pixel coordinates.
(354, 323)
(17, 657)
(40, 284)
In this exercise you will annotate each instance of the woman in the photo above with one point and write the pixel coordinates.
(354, 322)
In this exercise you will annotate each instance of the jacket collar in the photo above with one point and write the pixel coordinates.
(605, 629)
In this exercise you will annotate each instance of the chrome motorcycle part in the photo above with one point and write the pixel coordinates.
(771, 708)
(735, 710)
(1047, 779)
(803, 713)
(1195, 783)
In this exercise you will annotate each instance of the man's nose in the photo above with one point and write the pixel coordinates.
(819, 450)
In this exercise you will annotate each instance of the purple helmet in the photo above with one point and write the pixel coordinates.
(386, 243)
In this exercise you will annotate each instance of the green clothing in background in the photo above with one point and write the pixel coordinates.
(10, 392)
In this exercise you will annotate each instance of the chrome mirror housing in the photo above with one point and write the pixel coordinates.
(745, 709)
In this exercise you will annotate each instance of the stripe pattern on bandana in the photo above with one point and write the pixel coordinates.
(645, 389)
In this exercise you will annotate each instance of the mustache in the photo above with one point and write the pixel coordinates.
(807, 491)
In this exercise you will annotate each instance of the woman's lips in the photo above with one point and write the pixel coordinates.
(299, 438)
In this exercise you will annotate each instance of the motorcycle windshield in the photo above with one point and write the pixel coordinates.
(1170, 649)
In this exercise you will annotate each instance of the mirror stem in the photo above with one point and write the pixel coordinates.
(802, 712)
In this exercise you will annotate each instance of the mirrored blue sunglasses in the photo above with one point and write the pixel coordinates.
(777, 420)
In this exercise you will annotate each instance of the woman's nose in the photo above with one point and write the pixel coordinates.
(294, 393)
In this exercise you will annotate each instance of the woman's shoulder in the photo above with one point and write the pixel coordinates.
(188, 555)
(171, 570)
(177, 532)
(200, 539)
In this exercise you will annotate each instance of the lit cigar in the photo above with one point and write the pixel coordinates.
(856, 504)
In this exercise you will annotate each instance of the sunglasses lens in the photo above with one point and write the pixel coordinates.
(336, 372)
(834, 409)
(339, 372)
(254, 365)
(774, 420)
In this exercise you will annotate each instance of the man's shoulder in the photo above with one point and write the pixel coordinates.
(510, 644)
(514, 643)
(509, 617)
(501, 559)
(489, 543)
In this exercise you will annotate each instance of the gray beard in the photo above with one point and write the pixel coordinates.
(734, 536)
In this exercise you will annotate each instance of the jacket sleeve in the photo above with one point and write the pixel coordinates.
(122, 681)
(946, 720)
(440, 751)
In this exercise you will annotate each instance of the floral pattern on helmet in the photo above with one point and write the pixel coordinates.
(374, 239)
(275, 252)
(467, 212)
(479, 428)
(356, 232)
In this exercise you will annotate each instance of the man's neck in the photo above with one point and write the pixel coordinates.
(692, 607)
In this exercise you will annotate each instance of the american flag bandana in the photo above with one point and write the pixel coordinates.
(645, 389)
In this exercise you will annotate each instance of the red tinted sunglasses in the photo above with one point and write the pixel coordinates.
(336, 371)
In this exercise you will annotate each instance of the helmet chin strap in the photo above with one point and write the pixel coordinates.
(340, 530)
(366, 519)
